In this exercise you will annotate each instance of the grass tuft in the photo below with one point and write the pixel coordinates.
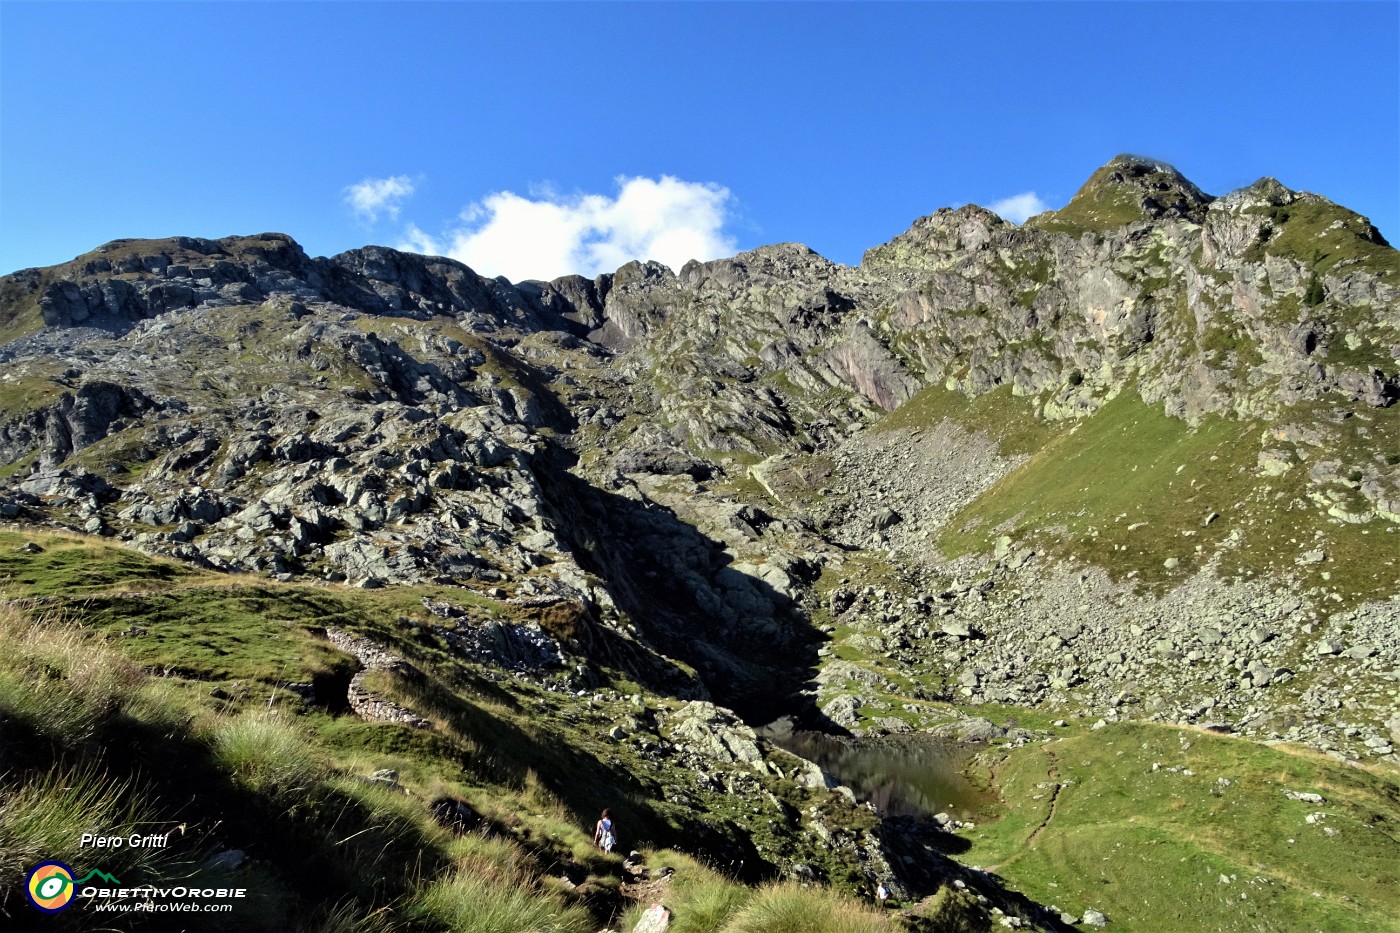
(469, 902)
(267, 755)
(789, 908)
(59, 681)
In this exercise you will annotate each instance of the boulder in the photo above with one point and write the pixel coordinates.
(1094, 918)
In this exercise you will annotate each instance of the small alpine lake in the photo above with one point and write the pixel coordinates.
(913, 776)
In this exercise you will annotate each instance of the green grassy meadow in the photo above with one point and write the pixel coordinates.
(1207, 841)
(1130, 488)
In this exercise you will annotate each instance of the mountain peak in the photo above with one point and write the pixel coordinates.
(1128, 189)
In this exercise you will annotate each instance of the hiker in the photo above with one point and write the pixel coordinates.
(882, 894)
(603, 836)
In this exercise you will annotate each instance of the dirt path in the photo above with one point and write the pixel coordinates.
(640, 884)
(1053, 774)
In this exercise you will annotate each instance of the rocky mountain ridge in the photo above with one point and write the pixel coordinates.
(742, 472)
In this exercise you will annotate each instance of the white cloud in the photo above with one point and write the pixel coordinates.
(1018, 207)
(548, 235)
(416, 241)
(375, 196)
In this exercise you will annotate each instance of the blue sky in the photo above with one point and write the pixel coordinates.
(526, 137)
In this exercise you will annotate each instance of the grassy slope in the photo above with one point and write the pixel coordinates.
(1148, 847)
(202, 632)
(19, 308)
(1082, 492)
(37, 388)
(1008, 419)
(1127, 459)
(221, 748)
(1326, 235)
(197, 625)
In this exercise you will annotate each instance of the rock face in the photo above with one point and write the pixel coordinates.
(716, 734)
(701, 475)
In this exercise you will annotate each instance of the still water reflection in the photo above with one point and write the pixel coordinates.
(901, 776)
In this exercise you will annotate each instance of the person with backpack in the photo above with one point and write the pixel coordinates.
(603, 834)
(882, 894)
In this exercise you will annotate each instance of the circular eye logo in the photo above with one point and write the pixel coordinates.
(50, 886)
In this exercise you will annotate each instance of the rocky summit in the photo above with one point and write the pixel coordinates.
(1135, 461)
